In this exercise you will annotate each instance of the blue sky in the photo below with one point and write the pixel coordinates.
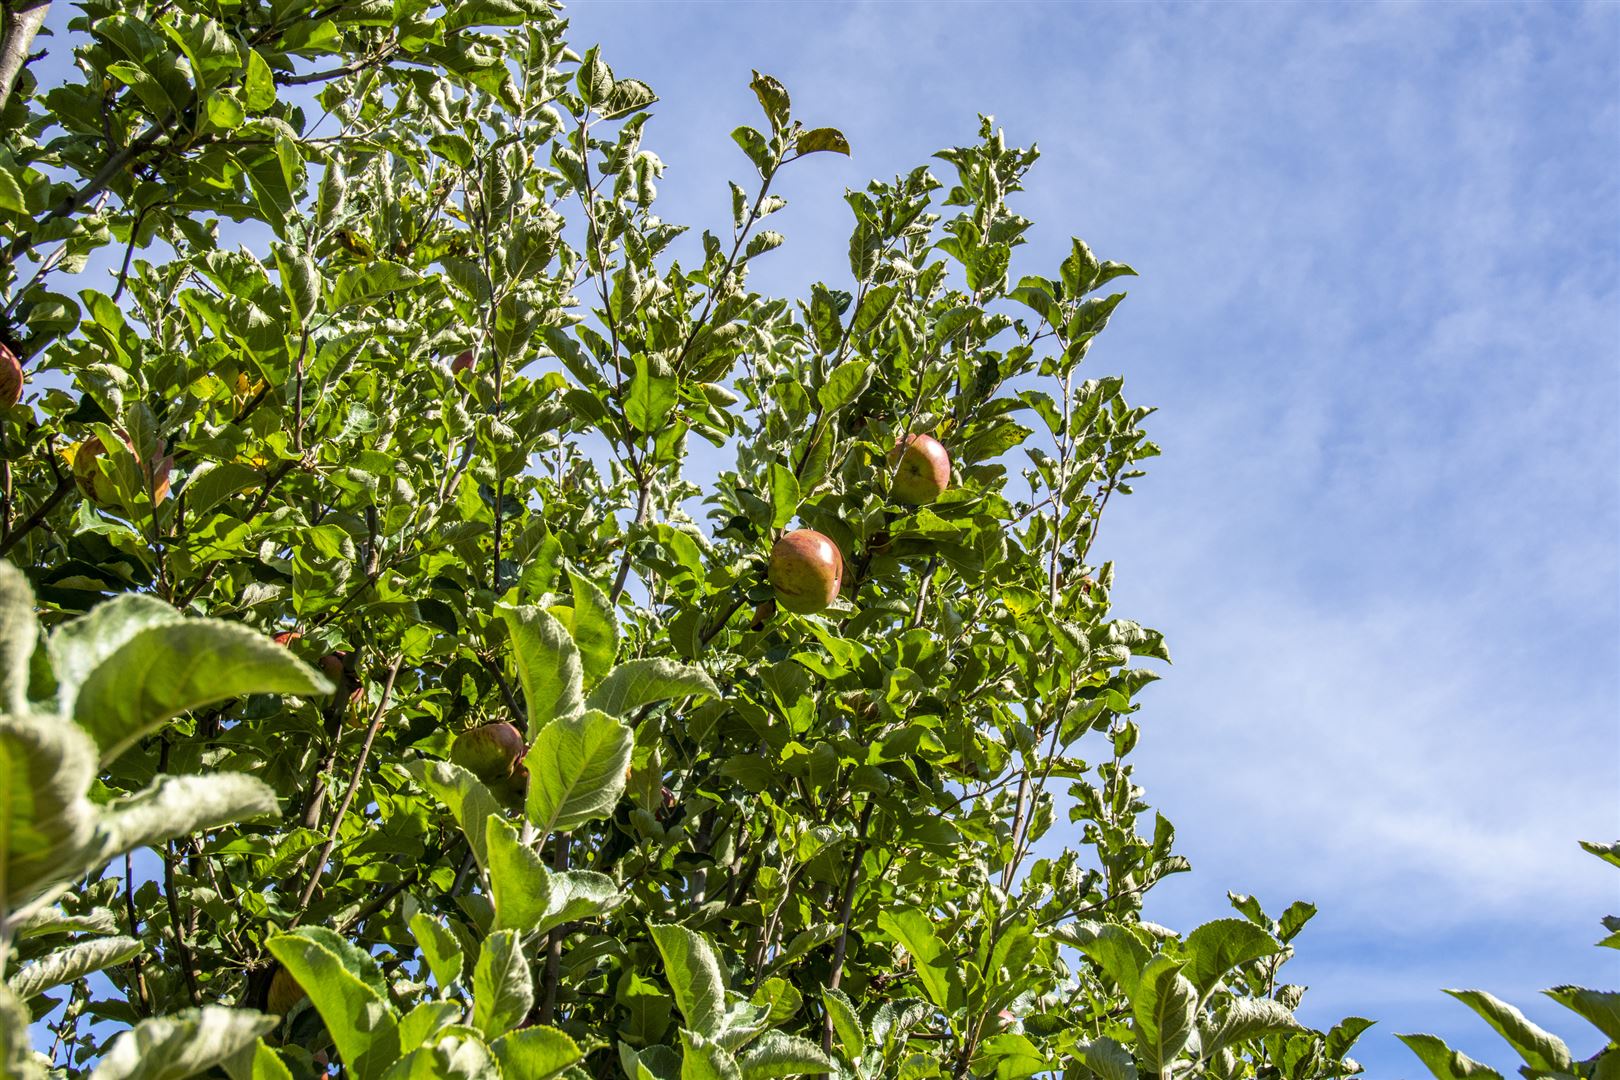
(1380, 313)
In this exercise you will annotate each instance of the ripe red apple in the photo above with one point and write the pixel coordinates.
(921, 469)
(490, 752)
(806, 570)
(286, 638)
(338, 667)
(94, 485)
(11, 377)
(463, 362)
(285, 993)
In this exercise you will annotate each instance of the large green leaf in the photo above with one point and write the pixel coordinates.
(70, 963)
(463, 794)
(846, 1023)
(912, 929)
(181, 1044)
(780, 1054)
(694, 976)
(17, 1061)
(1244, 1019)
(1221, 945)
(19, 633)
(453, 1056)
(439, 947)
(503, 988)
(1446, 1063)
(1541, 1050)
(134, 663)
(702, 1059)
(548, 665)
(579, 894)
(256, 1061)
(1165, 1010)
(360, 1019)
(520, 884)
(535, 1053)
(595, 628)
(425, 1021)
(577, 770)
(1107, 1059)
(636, 683)
(47, 827)
(1600, 1007)
(1113, 948)
(179, 806)
(362, 284)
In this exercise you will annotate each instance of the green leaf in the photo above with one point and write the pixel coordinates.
(503, 989)
(535, 1053)
(579, 894)
(548, 665)
(133, 663)
(844, 384)
(1444, 1062)
(182, 1044)
(1165, 1009)
(1107, 1059)
(520, 884)
(1112, 948)
(693, 972)
(595, 629)
(258, 83)
(374, 280)
(359, 1018)
(12, 198)
(1344, 1035)
(464, 795)
(1248, 1018)
(827, 139)
(176, 806)
(649, 399)
(779, 1054)
(19, 633)
(635, 684)
(773, 98)
(912, 929)
(1541, 1050)
(627, 96)
(438, 946)
(1601, 1008)
(846, 1023)
(256, 1061)
(784, 495)
(1609, 853)
(577, 770)
(702, 1059)
(1219, 946)
(47, 827)
(425, 1022)
(17, 1060)
(70, 963)
(455, 1055)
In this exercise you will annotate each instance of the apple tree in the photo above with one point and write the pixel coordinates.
(396, 686)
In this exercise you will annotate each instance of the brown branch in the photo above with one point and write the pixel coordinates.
(845, 910)
(34, 520)
(548, 1000)
(22, 23)
(348, 796)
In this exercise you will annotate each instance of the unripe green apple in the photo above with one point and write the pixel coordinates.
(285, 993)
(806, 570)
(515, 788)
(11, 377)
(921, 469)
(489, 752)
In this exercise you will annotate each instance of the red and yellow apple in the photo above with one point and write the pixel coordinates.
(490, 752)
(97, 487)
(11, 377)
(920, 469)
(806, 570)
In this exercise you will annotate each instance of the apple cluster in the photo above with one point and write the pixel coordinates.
(806, 568)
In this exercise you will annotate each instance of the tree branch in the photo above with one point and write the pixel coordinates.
(21, 24)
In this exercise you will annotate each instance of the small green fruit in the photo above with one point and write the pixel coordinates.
(806, 571)
(921, 469)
